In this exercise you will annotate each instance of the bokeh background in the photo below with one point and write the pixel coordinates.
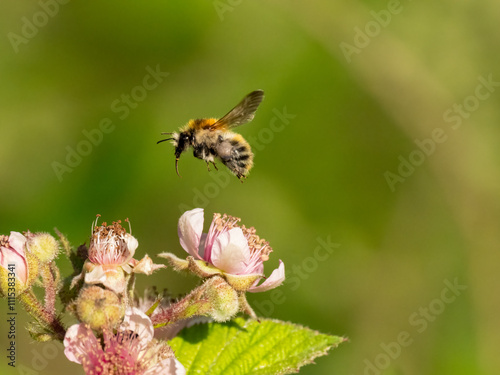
(361, 81)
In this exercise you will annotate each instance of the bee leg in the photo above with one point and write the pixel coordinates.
(208, 165)
(215, 166)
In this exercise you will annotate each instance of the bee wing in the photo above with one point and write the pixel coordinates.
(241, 114)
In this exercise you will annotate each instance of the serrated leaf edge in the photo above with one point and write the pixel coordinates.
(244, 323)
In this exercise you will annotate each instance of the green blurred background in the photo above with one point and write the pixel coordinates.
(319, 176)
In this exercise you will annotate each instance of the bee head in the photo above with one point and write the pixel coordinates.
(181, 142)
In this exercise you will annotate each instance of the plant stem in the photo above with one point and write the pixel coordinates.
(37, 311)
(50, 289)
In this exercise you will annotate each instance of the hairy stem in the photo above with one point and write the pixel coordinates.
(50, 289)
(44, 317)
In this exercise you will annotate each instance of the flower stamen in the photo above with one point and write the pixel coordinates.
(259, 247)
(108, 244)
(4, 240)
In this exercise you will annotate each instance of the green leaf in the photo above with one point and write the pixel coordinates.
(243, 347)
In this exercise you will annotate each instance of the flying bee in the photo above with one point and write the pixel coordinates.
(211, 138)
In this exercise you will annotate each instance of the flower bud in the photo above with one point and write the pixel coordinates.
(43, 246)
(99, 308)
(223, 299)
(18, 268)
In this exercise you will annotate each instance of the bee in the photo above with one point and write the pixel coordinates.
(211, 138)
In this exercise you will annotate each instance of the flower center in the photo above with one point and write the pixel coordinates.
(225, 222)
(4, 240)
(108, 245)
(259, 247)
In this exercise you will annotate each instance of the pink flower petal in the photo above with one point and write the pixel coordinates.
(208, 241)
(111, 277)
(179, 368)
(96, 275)
(17, 241)
(277, 277)
(132, 244)
(190, 229)
(202, 247)
(169, 366)
(78, 340)
(230, 251)
(7, 256)
(135, 320)
(14, 253)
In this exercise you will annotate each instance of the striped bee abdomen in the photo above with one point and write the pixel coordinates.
(236, 154)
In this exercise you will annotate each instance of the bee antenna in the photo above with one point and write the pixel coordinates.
(166, 133)
(163, 140)
(177, 167)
